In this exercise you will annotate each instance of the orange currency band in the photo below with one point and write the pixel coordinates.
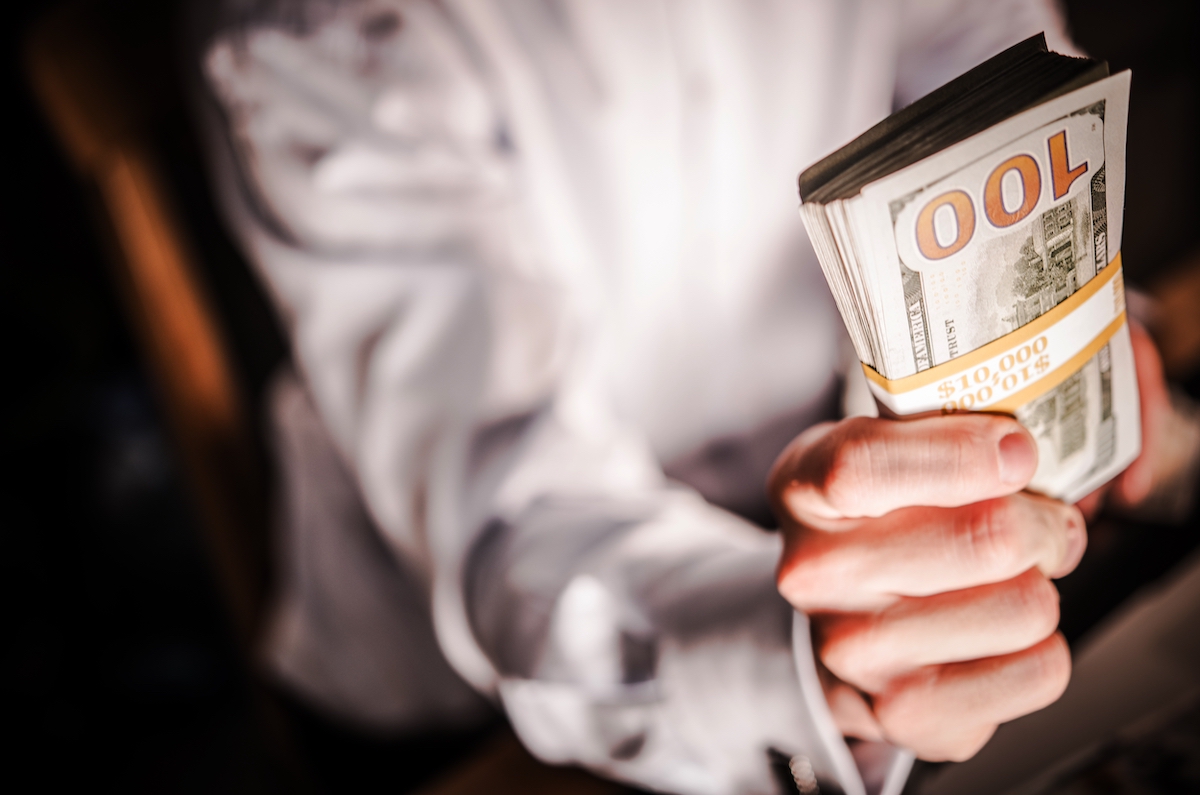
(1061, 373)
(1029, 331)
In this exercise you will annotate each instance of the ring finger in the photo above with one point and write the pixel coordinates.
(869, 649)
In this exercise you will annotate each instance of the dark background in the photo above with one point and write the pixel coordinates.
(120, 664)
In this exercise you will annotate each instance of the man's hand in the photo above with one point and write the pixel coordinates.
(926, 574)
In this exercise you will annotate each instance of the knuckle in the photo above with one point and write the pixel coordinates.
(976, 464)
(795, 463)
(1053, 669)
(782, 474)
(1038, 606)
(790, 583)
(902, 709)
(895, 715)
(803, 574)
(851, 462)
(934, 735)
(846, 647)
(906, 725)
(964, 441)
(989, 536)
(962, 450)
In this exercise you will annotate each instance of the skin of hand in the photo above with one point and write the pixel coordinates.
(926, 570)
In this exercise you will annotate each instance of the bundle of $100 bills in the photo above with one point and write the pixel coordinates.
(972, 244)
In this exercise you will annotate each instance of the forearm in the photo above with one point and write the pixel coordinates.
(645, 640)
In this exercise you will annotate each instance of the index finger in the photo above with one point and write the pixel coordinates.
(862, 467)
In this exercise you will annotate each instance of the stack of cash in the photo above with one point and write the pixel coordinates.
(972, 244)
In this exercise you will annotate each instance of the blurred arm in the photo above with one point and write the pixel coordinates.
(625, 624)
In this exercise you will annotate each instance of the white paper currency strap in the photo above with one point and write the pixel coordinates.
(1022, 365)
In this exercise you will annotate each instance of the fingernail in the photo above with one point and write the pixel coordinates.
(1018, 459)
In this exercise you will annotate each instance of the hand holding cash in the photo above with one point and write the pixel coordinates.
(971, 242)
(924, 569)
